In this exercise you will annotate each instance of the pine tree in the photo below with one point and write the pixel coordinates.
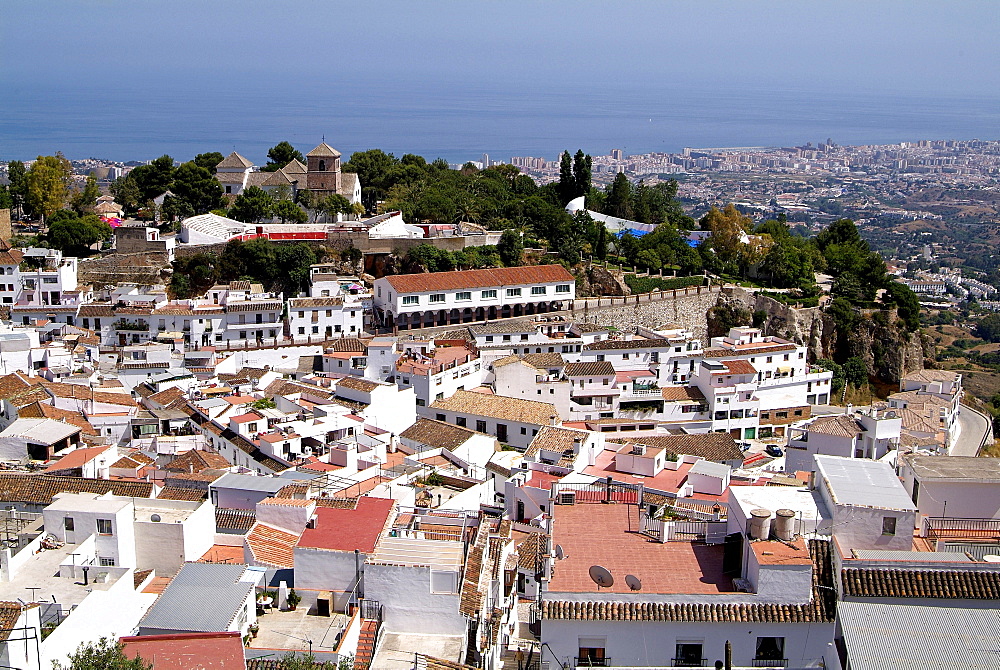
(567, 185)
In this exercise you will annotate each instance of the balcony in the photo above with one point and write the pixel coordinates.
(689, 663)
(591, 662)
(122, 324)
(769, 663)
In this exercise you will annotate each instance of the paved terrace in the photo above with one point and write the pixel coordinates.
(607, 535)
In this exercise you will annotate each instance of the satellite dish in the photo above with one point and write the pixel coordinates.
(154, 518)
(560, 554)
(634, 583)
(601, 577)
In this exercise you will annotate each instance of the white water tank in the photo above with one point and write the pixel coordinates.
(760, 524)
(784, 525)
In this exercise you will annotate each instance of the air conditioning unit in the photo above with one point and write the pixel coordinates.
(566, 498)
(638, 449)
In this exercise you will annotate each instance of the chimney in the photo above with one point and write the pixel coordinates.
(553, 420)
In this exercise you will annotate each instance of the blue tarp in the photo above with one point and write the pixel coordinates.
(635, 233)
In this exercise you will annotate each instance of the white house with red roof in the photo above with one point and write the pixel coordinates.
(467, 296)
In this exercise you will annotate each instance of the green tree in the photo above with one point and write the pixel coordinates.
(74, 236)
(292, 262)
(647, 258)
(17, 175)
(252, 205)
(280, 155)
(582, 172)
(601, 249)
(567, 184)
(511, 248)
(299, 661)
(334, 204)
(154, 179)
(855, 372)
(175, 208)
(837, 383)
(126, 193)
(6, 202)
(988, 328)
(286, 211)
(196, 186)
(618, 201)
(728, 228)
(84, 200)
(209, 160)
(105, 654)
(48, 184)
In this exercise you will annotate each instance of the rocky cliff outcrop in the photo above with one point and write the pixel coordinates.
(597, 280)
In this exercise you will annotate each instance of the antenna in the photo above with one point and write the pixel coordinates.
(560, 554)
(602, 577)
(634, 583)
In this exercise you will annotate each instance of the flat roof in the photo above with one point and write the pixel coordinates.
(349, 529)
(802, 501)
(232, 480)
(863, 483)
(594, 534)
(954, 468)
(891, 637)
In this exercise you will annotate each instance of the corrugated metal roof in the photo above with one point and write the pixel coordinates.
(895, 637)
(232, 480)
(202, 597)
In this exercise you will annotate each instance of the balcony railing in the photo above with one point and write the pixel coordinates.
(769, 663)
(939, 528)
(591, 662)
(690, 663)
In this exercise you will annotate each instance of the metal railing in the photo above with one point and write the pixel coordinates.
(940, 528)
(592, 662)
(769, 663)
(689, 663)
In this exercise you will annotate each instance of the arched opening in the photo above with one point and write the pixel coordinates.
(428, 319)
(443, 317)
(518, 310)
(480, 314)
(529, 308)
(401, 321)
(491, 313)
(322, 165)
(454, 317)
(543, 307)
(505, 312)
(467, 315)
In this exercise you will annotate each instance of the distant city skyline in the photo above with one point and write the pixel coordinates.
(128, 81)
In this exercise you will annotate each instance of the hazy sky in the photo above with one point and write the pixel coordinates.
(911, 46)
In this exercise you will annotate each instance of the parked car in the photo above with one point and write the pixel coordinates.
(744, 445)
(774, 450)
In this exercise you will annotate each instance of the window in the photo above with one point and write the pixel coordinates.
(463, 295)
(489, 294)
(502, 432)
(770, 649)
(513, 293)
(537, 290)
(437, 297)
(592, 652)
(480, 426)
(440, 417)
(411, 300)
(600, 357)
(689, 655)
(104, 527)
(888, 525)
(562, 288)
(524, 431)
(786, 357)
(460, 421)
(107, 562)
(506, 338)
(68, 523)
(489, 338)
(769, 358)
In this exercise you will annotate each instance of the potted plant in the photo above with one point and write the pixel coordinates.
(293, 599)
(254, 629)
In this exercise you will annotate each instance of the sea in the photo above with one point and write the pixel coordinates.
(462, 120)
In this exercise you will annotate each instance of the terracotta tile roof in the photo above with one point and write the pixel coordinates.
(545, 360)
(594, 368)
(286, 501)
(11, 257)
(81, 392)
(181, 493)
(682, 393)
(311, 303)
(472, 595)
(932, 376)
(357, 384)
(529, 552)
(437, 434)
(234, 519)
(139, 576)
(167, 396)
(498, 407)
(292, 490)
(96, 310)
(336, 503)
(555, 438)
(38, 410)
(821, 608)
(710, 446)
(254, 307)
(737, 367)
(234, 160)
(39, 489)
(10, 612)
(460, 279)
(604, 345)
(503, 327)
(839, 425)
(349, 344)
(763, 348)
(272, 546)
(197, 461)
(76, 459)
(912, 583)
